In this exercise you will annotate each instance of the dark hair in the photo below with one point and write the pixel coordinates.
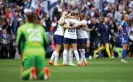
(32, 17)
(131, 32)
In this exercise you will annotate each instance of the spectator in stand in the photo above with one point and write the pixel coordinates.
(5, 41)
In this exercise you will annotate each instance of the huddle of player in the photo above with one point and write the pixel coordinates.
(72, 34)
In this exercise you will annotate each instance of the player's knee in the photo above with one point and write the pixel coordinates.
(58, 49)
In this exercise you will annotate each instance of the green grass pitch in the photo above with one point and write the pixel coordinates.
(100, 70)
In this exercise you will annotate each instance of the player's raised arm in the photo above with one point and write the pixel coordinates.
(62, 19)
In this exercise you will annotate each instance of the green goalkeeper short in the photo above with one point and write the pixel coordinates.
(33, 58)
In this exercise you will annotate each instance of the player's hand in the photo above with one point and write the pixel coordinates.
(74, 27)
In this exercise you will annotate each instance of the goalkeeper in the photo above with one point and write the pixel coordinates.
(32, 42)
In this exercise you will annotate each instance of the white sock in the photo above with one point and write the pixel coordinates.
(83, 55)
(52, 57)
(56, 57)
(70, 56)
(77, 56)
(82, 59)
(65, 52)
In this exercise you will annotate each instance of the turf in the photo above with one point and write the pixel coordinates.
(100, 70)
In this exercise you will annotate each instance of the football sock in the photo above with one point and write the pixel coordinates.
(56, 57)
(108, 50)
(52, 57)
(70, 55)
(65, 56)
(77, 56)
(82, 52)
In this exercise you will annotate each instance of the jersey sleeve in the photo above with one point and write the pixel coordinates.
(20, 40)
(45, 40)
(19, 32)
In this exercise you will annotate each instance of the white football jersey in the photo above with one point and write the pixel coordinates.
(82, 34)
(59, 30)
(71, 33)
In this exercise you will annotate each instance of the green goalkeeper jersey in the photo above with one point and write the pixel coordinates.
(31, 37)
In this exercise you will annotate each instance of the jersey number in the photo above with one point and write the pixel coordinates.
(34, 35)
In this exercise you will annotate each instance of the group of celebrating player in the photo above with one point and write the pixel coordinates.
(72, 34)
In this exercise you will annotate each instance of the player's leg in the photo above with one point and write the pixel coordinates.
(91, 48)
(79, 41)
(82, 52)
(41, 71)
(98, 50)
(56, 53)
(118, 50)
(65, 51)
(70, 56)
(74, 47)
(124, 52)
(108, 50)
(26, 69)
(59, 43)
(125, 47)
(58, 40)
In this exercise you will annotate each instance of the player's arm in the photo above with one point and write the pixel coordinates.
(121, 28)
(89, 29)
(70, 16)
(45, 40)
(61, 21)
(67, 25)
(19, 38)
